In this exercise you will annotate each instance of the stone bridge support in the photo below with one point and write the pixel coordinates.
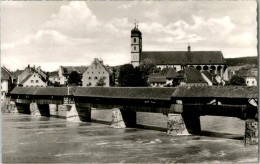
(117, 119)
(183, 120)
(53, 109)
(72, 113)
(35, 110)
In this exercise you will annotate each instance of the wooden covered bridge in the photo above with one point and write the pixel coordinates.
(189, 101)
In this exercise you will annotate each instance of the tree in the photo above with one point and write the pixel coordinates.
(101, 81)
(237, 80)
(147, 67)
(130, 76)
(74, 78)
(165, 70)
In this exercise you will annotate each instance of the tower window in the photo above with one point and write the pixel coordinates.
(134, 48)
(134, 40)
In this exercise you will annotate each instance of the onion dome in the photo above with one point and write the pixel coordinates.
(136, 32)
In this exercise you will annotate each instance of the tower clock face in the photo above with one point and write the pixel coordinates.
(135, 57)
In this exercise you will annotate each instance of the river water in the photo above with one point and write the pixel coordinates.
(52, 140)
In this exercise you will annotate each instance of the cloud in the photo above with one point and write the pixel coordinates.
(11, 4)
(125, 6)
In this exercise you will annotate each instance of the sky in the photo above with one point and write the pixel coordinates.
(72, 33)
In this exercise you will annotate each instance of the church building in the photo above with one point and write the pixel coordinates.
(212, 61)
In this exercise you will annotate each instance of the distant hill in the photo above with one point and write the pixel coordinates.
(242, 61)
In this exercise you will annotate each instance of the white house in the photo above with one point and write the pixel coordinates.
(95, 72)
(33, 80)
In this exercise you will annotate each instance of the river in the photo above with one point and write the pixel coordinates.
(27, 139)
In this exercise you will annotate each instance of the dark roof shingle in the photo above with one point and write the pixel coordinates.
(183, 57)
(216, 91)
(125, 92)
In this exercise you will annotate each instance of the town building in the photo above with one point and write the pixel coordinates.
(250, 78)
(7, 81)
(212, 61)
(33, 80)
(54, 77)
(96, 71)
(157, 80)
(190, 76)
(65, 71)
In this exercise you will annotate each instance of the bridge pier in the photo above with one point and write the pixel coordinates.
(12, 107)
(251, 132)
(176, 125)
(53, 109)
(35, 110)
(72, 114)
(117, 119)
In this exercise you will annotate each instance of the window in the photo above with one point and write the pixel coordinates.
(92, 72)
(253, 82)
(33, 75)
(103, 72)
(134, 48)
(98, 72)
(31, 81)
(134, 40)
(247, 82)
(37, 81)
(95, 77)
(89, 78)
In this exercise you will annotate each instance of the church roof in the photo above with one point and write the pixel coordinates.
(183, 57)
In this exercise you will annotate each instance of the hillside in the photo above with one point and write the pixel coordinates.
(242, 61)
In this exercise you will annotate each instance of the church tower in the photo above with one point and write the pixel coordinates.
(136, 46)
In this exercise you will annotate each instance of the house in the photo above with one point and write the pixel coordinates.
(157, 80)
(95, 72)
(65, 71)
(212, 61)
(7, 81)
(250, 78)
(230, 71)
(54, 77)
(33, 80)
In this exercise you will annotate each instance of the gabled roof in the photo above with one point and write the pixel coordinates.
(193, 75)
(54, 73)
(183, 57)
(156, 78)
(171, 73)
(66, 70)
(5, 74)
(245, 74)
(17, 73)
(25, 79)
(216, 91)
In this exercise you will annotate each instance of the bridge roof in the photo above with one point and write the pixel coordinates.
(44, 91)
(216, 92)
(126, 92)
(24, 90)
